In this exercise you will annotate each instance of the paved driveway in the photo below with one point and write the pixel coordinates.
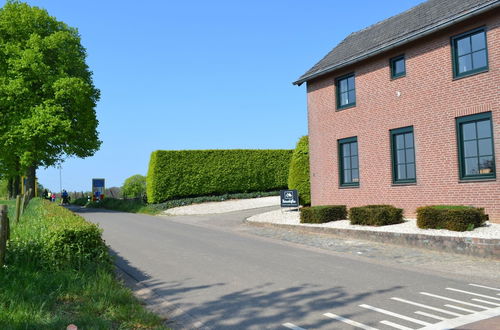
(226, 275)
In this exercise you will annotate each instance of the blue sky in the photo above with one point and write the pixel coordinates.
(200, 74)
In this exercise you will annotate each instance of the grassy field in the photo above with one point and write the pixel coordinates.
(42, 290)
(138, 206)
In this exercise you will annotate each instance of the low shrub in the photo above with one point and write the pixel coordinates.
(375, 215)
(82, 201)
(322, 214)
(451, 217)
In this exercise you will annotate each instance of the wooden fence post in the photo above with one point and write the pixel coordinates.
(4, 232)
(22, 204)
(18, 208)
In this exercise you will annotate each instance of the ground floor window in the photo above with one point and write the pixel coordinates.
(348, 161)
(475, 147)
(403, 155)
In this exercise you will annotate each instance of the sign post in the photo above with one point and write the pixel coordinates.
(98, 188)
(289, 198)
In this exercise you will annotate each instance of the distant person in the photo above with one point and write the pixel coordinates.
(53, 197)
(48, 196)
(45, 194)
(65, 197)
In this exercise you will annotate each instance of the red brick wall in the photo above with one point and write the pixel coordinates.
(430, 100)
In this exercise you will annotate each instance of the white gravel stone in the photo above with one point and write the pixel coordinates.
(490, 230)
(225, 206)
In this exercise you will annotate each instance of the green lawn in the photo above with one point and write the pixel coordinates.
(38, 294)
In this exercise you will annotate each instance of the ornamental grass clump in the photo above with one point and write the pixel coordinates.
(451, 217)
(323, 214)
(375, 215)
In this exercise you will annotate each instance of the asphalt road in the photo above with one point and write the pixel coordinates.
(219, 273)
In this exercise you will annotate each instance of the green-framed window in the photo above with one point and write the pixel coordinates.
(475, 147)
(403, 155)
(470, 53)
(398, 66)
(348, 162)
(346, 91)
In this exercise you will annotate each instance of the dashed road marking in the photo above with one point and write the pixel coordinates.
(426, 306)
(350, 322)
(473, 294)
(395, 325)
(463, 320)
(485, 287)
(460, 308)
(453, 300)
(486, 302)
(432, 316)
(403, 317)
(292, 326)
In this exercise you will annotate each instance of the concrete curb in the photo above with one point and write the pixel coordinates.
(175, 317)
(477, 247)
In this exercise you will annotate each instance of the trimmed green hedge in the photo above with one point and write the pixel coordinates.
(298, 177)
(322, 214)
(451, 217)
(375, 215)
(188, 173)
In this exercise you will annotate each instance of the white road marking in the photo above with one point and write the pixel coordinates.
(432, 316)
(473, 294)
(403, 317)
(454, 300)
(425, 306)
(461, 309)
(485, 287)
(486, 302)
(292, 326)
(351, 322)
(395, 325)
(463, 320)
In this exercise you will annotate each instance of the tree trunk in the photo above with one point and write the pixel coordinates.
(30, 179)
(10, 185)
(14, 186)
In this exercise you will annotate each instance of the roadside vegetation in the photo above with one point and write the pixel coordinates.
(58, 272)
(140, 206)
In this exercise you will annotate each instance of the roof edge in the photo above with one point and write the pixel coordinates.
(405, 40)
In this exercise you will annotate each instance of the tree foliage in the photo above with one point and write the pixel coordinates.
(298, 177)
(47, 94)
(134, 186)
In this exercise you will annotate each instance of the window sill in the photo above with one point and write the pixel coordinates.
(397, 184)
(346, 107)
(349, 187)
(490, 179)
(465, 75)
(397, 77)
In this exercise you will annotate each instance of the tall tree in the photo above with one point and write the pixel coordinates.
(47, 96)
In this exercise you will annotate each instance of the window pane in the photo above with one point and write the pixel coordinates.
(354, 148)
(343, 85)
(343, 99)
(463, 46)
(484, 129)
(401, 156)
(400, 141)
(486, 165)
(464, 63)
(410, 171)
(469, 131)
(471, 167)
(485, 147)
(399, 66)
(347, 162)
(409, 140)
(346, 150)
(347, 176)
(354, 162)
(350, 83)
(479, 59)
(470, 148)
(478, 41)
(355, 176)
(352, 96)
(401, 172)
(410, 155)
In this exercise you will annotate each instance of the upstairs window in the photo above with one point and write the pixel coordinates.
(348, 162)
(470, 54)
(398, 66)
(475, 147)
(346, 92)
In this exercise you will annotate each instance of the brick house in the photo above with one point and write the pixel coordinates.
(407, 111)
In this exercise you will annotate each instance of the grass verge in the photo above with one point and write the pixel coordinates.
(138, 206)
(38, 293)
